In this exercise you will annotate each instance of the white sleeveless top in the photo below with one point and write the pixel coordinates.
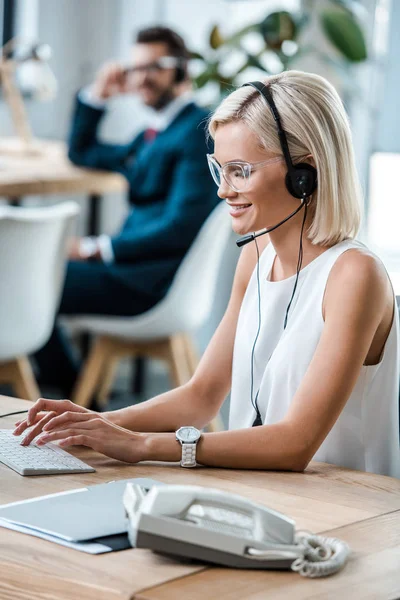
(366, 435)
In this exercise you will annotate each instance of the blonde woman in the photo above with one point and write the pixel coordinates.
(308, 346)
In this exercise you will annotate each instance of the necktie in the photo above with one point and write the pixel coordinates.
(150, 134)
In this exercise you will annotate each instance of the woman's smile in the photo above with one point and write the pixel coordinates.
(237, 210)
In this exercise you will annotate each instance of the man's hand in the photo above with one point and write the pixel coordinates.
(110, 81)
(84, 248)
(74, 249)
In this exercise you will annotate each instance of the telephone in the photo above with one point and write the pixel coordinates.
(225, 529)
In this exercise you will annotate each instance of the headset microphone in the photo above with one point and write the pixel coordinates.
(252, 236)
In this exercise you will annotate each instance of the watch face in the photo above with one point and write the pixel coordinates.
(188, 434)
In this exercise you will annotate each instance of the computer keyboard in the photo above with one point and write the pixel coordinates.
(34, 460)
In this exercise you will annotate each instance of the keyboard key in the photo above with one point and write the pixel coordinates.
(35, 460)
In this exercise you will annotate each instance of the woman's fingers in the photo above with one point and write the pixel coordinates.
(58, 406)
(68, 417)
(36, 429)
(61, 435)
(20, 426)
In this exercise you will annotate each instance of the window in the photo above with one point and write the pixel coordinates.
(8, 10)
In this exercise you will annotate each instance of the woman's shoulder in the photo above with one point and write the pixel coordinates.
(358, 273)
(358, 262)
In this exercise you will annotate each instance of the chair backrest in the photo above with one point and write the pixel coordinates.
(189, 300)
(33, 249)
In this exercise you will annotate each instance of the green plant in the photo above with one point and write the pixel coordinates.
(279, 33)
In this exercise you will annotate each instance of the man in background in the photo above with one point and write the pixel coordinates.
(170, 192)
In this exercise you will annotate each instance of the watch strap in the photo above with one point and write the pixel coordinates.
(188, 454)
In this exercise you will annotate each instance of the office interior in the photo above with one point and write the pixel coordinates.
(102, 30)
(55, 49)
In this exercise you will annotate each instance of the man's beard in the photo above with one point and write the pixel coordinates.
(164, 99)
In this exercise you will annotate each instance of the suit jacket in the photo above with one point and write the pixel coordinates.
(171, 193)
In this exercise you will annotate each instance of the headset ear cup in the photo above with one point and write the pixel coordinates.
(180, 74)
(302, 180)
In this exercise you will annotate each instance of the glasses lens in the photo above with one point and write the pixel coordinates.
(214, 170)
(235, 176)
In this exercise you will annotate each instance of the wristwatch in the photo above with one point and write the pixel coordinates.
(188, 437)
(88, 247)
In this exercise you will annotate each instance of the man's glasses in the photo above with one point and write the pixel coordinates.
(162, 63)
(236, 174)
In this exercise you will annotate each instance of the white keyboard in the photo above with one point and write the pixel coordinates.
(34, 460)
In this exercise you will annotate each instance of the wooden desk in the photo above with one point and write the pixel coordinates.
(50, 172)
(361, 508)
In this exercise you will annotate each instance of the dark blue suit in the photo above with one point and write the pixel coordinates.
(171, 193)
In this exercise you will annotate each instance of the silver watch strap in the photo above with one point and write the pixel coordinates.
(188, 455)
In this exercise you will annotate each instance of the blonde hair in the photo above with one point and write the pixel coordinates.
(316, 124)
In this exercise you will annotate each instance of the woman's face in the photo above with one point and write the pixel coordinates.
(266, 200)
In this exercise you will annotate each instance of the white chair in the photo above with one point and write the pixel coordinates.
(162, 332)
(32, 267)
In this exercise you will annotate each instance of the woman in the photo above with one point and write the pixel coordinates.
(309, 341)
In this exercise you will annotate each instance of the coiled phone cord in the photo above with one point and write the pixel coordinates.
(321, 556)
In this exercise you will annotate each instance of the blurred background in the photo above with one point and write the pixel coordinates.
(59, 45)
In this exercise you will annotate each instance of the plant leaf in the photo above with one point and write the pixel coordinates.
(216, 39)
(344, 33)
(196, 56)
(252, 61)
(210, 73)
(278, 27)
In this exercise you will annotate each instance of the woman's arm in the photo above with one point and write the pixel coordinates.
(358, 299)
(358, 302)
(197, 402)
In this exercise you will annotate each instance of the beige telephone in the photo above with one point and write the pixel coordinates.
(225, 529)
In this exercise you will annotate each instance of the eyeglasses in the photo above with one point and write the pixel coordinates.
(236, 174)
(164, 62)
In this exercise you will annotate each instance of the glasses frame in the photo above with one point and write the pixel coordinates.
(161, 64)
(247, 169)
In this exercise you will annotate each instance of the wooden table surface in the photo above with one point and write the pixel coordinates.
(361, 508)
(48, 171)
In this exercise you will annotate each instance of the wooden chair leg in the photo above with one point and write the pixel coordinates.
(177, 361)
(192, 357)
(19, 374)
(92, 373)
(107, 379)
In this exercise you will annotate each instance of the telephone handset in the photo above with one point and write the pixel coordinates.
(225, 529)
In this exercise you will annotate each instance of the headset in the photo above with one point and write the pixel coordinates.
(301, 179)
(181, 70)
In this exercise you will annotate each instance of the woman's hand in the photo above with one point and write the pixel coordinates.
(41, 419)
(94, 431)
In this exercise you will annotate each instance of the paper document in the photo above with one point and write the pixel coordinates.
(89, 547)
